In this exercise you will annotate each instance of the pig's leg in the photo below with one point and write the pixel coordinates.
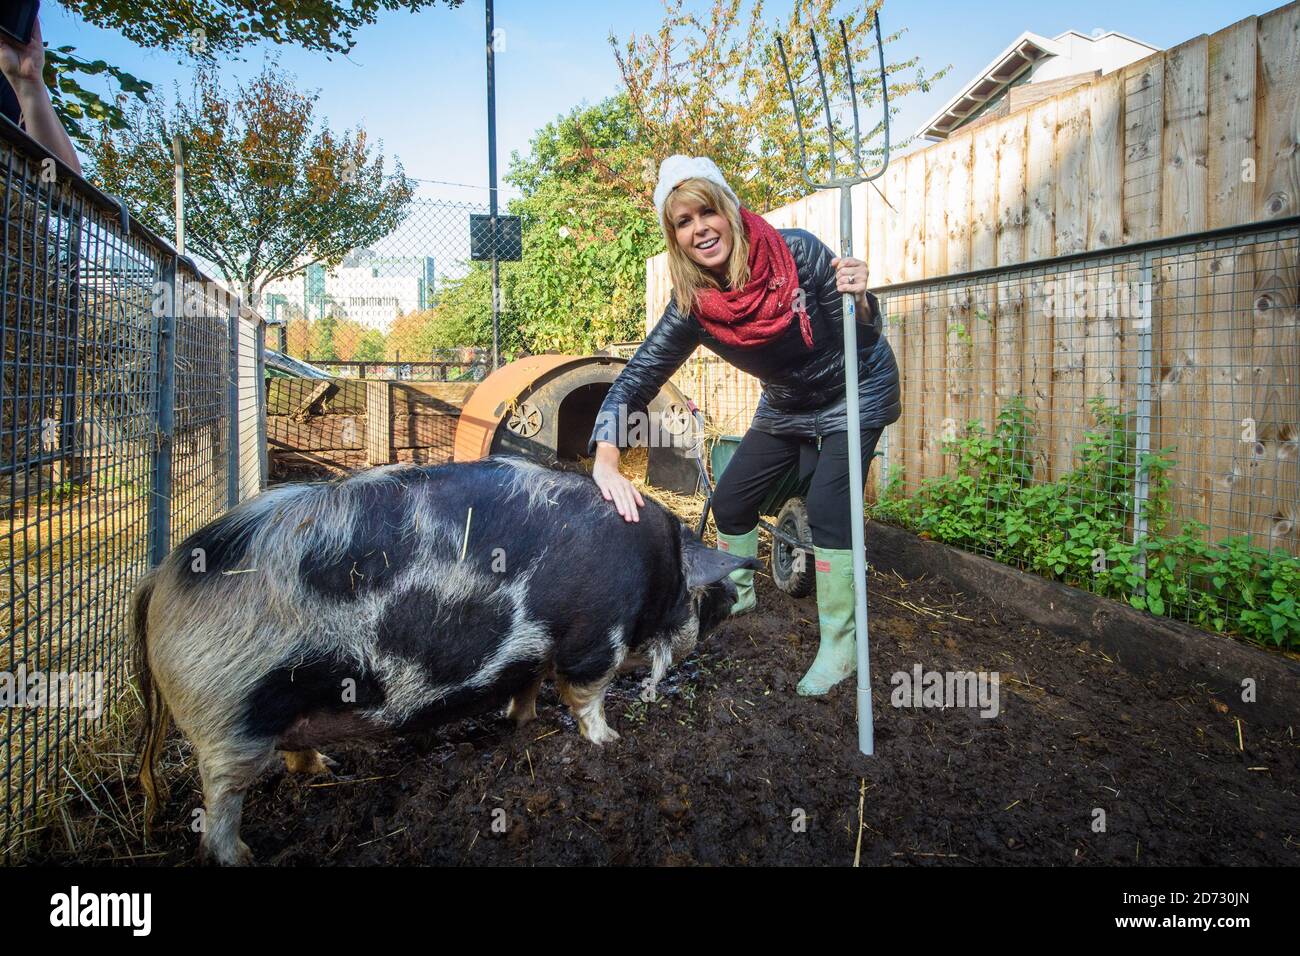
(523, 706)
(227, 772)
(587, 704)
(306, 761)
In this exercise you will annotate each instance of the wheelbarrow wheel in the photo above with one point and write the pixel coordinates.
(793, 572)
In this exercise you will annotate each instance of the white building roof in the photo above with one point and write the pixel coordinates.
(1075, 52)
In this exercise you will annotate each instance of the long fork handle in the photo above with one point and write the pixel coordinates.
(857, 504)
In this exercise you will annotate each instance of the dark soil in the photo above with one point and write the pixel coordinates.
(721, 769)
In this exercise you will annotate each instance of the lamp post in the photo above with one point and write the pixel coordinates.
(492, 187)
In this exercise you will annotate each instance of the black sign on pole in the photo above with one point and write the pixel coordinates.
(508, 242)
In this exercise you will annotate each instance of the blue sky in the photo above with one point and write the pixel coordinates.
(416, 81)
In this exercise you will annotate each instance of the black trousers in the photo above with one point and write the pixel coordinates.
(762, 458)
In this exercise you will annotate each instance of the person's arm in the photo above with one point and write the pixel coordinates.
(669, 344)
(24, 68)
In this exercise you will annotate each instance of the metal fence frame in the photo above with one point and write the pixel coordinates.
(925, 302)
(158, 377)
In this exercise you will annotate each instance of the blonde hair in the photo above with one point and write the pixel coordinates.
(688, 276)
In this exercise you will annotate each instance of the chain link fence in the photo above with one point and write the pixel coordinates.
(130, 415)
(403, 308)
(1126, 420)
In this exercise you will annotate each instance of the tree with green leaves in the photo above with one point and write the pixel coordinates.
(207, 27)
(76, 106)
(585, 243)
(323, 348)
(463, 316)
(268, 192)
(371, 347)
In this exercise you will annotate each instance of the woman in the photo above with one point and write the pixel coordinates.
(769, 302)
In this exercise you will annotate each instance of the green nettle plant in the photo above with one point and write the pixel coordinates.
(1079, 527)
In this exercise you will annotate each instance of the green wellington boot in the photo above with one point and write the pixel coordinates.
(742, 546)
(837, 657)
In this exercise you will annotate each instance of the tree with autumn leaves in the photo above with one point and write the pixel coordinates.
(717, 87)
(268, 191)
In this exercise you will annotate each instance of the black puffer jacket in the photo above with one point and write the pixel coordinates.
(803, 389)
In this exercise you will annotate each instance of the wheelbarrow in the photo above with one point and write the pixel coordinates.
(790, 562)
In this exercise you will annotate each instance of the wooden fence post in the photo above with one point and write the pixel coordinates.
(379, 423)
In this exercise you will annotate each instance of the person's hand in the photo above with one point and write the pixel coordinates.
(850, 275)
(612, 484)
(23, 66)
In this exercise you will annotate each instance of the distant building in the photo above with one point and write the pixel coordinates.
(1033, 68)
(366, 287)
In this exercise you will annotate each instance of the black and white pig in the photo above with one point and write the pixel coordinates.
(400, 598)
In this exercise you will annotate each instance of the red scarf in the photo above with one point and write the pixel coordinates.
(763, 308)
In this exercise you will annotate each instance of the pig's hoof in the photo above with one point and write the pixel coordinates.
(243, 856)
(308, 762)
(237, 855)
(604, 734)
(521, 712)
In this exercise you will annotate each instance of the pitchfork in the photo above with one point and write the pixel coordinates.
(866, 732)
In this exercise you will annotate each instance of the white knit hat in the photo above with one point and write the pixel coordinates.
(674, 169)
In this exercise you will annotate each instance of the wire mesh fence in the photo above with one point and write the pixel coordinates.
(130, 416)
(404, 307)
(1126, 420)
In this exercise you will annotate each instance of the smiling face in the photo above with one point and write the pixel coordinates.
(702, 232)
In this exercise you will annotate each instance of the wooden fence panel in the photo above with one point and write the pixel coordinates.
(1071, 166)
(1105, 162)
(1231, 173)
(1186, 138)
(1277, 190)
(1143, 126)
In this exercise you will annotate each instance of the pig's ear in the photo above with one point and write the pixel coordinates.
(704, 565)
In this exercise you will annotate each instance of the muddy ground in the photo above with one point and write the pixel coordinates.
(728, 763)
